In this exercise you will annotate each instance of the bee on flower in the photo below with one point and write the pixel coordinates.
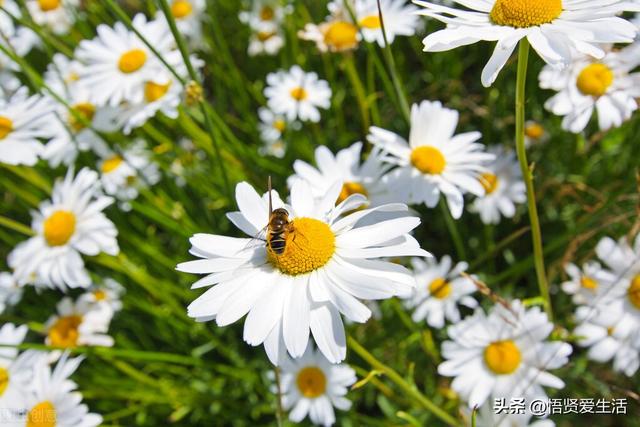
(503, 354)
(346, 168)
(70, 224)
(124, 174)
(57, 15)
(297, 95)
(606, 85)
(440, 287)
(304, 276)
(434, 160)
(503, 185)
(312, 386)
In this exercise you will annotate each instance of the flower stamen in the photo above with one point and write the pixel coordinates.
(311, 382)
(59, 228)
(525, 13)
(428, 160)
(502, 357)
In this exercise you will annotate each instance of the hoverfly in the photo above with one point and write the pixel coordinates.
(278, 227)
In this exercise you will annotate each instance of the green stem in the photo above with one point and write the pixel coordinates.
(361, 94)
(527, 173)
(16, 226)
(409, 389)
(279, 410)
(453, 231)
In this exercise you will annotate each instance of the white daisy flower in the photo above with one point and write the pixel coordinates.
(69, 225)
(296, 94)
(434, 160)
(271, 125)
(554, 28)
(400, 19)
(624, 263)
(54, 401)
(328, 263)
(268, 40)
(589, 285)
(123, 174)
(277, 148)
(440, 287)
(503, 186)
(106, 295)
(312, 386)
(611, 334)
(10, 292)
(24, 122)
(57, 15)
(117, 64)
(78, 324)
(188, 15)
(338, 33)
(534, 133)
(264, 11)
(345, 168)
(16, 371)
(502, 354)
(607, 86)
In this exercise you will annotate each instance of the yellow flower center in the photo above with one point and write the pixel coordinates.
(341, 35)
(263, 36)
(132, 60)
(72, 77)
(311, 382)
(525, 13)
(6, 126)
(634, 292)
(42, 415)
(279, 125)
(534, 131)
(439, 288)
(266, 13)
(48, 5)
(4, 380)
(100, 295)
(299, 94)
(610, 330)
(85, 110)
(371, 22)
(489, 182)
(350, 188)
(59, 228)
(502, 357)
(308, 247)
(588, 283)
(64, 333)
(181, 8)
(595, 79)
(111, 164)
(154, 91)
(428, 160)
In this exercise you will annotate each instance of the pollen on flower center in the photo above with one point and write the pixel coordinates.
(371, 22)
(181, 8)
(489, 182)
(42, 415)
(64, 333)
(525, 13)
(595, 79)
(299, 94)
(132, 60)
(85, 110)
(279, 125)
(59, 228)
(154, 91)
(4, 380)
(588, 283)
(6, 126)
(100, 295)
(634, 292)
(428, 160)
(308, 247)
(341, 35)
(111, 164)
(311, 382)
(266, 13)
(439, 288)
(350, 188)
(502, 357)
(48, 5)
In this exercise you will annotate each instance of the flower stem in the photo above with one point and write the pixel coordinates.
(358, 87)
(527, 174)
(453, 230)
(409, 389)
(279, 411)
